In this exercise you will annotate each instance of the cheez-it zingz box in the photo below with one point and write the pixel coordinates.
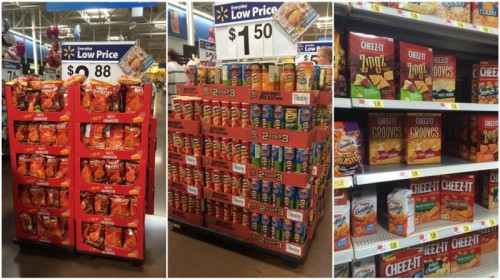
(426, 192)
(465, 251)
(404, 263)
(484, 138)
(436, 258)
(415, 72)
(423, 138)
(457, 197)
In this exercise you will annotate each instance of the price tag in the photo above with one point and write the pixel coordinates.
(207, 50)
(192, 190)
(462, 229)
(294, 216)
(314, 171)
(340, 183)
(239, 168)
(390, 246)
(450, 106)
(485, 29)
(293, 249)
(239, 201)
(461, 25)
(301, 98)
(368, 103)
(308, 50)
(409, 174)
(191, 160)
(378, 104)
(427, 237)
(376, 8)
(488, 223)
(414, 16)
(466, 228)
(10, 70)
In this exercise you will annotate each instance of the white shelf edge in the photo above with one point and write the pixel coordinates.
(487, 269)
(428, 106)
(394, 172)
(365, 246)
(342, 102)
(343, 256)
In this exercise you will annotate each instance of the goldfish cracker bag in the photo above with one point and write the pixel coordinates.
(403, 263)
(426, 192)
(436, 258)
(401, 207)
(342, 209)
(364, 212)
(347, 149)
(364, 268)
(465, 251)
(457, 197)
(341, 270)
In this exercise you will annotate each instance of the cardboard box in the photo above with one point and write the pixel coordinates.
(371, 64)
(340, 68)
(364, 212)
(404, 263)
(488, 82)
(436, 258)
(463, 136)
(474, 83)
(386, 138)
(423, 138)
(428, 8)
(401, 209)
(484, 138)
(488, 190)
(485, 13)
(458, 11)
(426, 192)
(465, 251)
(489, 240)
(415, 72)
(342, 220)
(457, 197)
(364, 268)
(444, 73)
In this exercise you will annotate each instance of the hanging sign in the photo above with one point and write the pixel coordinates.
(207, 50)
(10, 70)
(308, 51)
(50, 73)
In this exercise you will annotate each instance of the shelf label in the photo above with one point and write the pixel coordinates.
(390, 246)
(192, 190)
(294, 216)
(239, 201)
(489, 223)
(371, 103)
(427, 237)
(314, 171)
(191, 160)
(376, 8)
(293, 249)
(462, 229)
(410, 174)
(461, 25)
(414, 16)
(239, 168)
(301, 98)
(340, 183)
(485, 29)
(450, 106)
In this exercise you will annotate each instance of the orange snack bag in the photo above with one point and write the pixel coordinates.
(24, 195)
(63, 167)
(51, 166)
(37, 167)
(53, 227)
(47, 134)
(134, 98)
(33, 133)
(86, 171)
(63, 198)
(342, 236)
(50, 98)
(132, 136)
(401, 207)
(131, 172)
(120, 205)
(465, 251)
(133, 205)
(86, 97)
(97, 167)
(38, 196)
(130, 238)
(113, 236)
(115, 171)
(62, 134)
(114, 137)
(21, 132)
(364, 212)
(101, 96)
(23, 164)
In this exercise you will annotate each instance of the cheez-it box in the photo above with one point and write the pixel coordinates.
(484, 138)
(465, 251)
(404, 263)
(489, 240)
(488, 82)
(488, 191)
(385, 137)
(457, 197)
(415, 72)
(444, 72)
(436, 258)
(426, 192)
(423, 138)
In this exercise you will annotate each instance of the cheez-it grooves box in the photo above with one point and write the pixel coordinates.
(404, 263)
(465, 251)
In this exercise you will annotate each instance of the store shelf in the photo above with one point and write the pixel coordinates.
(343, 256)
(343, 103)
(370, 245)
(422, 106)
(487, 269)
(400, 171)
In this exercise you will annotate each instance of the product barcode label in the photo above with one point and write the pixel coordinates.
(191, 160)
(293, 249)
(410, 174)
(461, 25)
(192, 190)
(239, 168)
(239, 201)
(489, 223)
(294, 216)
(462, 229)
(315, 171)
(301, 98)
(371, 103)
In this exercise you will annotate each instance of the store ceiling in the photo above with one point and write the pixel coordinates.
(96, 24)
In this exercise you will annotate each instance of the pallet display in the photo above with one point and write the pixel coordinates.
(438, 209)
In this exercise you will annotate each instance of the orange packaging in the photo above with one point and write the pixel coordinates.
(21, 132)
(114, 171)
(134, 98)
(33, 134)
(386, 138)
(487, 79)
(47, 134)
(436, 258)
(268, 72)
(63, 168)
(347, 149)
(132, 136)
(51, 166)
(484, 138)
(426, 193)
(131, 172)
(342, 207)
(100, 96)
(489, 240)
(62, 134)
(465, 251)
(287, 77)
(50, 98)
(404, 263)
(423, 138)
(23, 165)
(457, 197)
(97, 167)
(113, 237)
(305, 76)
(364, 212)
(114, 137)
(485, 14)
(120, 205)
(401, 207)
(37, 167)
(187, 108)
(177, 105)
(488, 191)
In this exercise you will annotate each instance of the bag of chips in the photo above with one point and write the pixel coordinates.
(132, 136)
(37, 166)
(24, 195)
(47, 134)
(50, 96)
(33, 133)
(115, 171)
(131, 172)
(87, 202)
(38, 196)
(21, 132)
(97, 166)
(86, 170)
(63, 198)
(63, 167)
(130, 241)
(53, 197)
(94, 236)
(120, 206)
(101, 204)
(62, 134)
(23, 164)
(134, 98)
(27, 224)
(114, 137)
(113, 237)
(53, 227)
(51, 166)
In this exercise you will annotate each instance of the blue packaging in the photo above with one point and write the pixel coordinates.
(299, 233)
(255, 224)
(267, 190)
(267, 116)
(287, 234)
(289, 159)
(266, 225)
(279, 117)
(265, 156)
(276, 225)
(289, 197)
(256, 190)
(277, 196)
(305, 119)
(303, 196)
(302, 161)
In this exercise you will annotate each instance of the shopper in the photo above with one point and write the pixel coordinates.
(325, 56)
(176, 75)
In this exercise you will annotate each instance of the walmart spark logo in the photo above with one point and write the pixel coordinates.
(69, 52)
(222, 14)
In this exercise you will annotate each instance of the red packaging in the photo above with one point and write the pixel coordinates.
(216, 113)
(465, 251)
(186, 142)
(198, 206)
(47, 134)
(217, 180)
(175, 172)
(415, 72)
(226, 149)
(171, 146)
(197, 145)
(484, 138)
(207, 145)
(207, 112)
(179, 142)
(37, 167)
(226, 113)
(226, 214)
(245, 218)
(197, 109)
(177, 104)
(187, 109)
(404, 263)
(245, 188)
(198, 177)
(457, 197)
(188, 173)
(237, 213)
(245, 114)
(210, 208)
(245, 152)
(226, 182)
(236, 150)
(235, 114)
(208, 179)
(182, 173)
(185, 202)
(216, 147)
(51, 166)
(436, 258)
(219, 210)
(191, 204)
(177, 201)
(63, 168)
(236, 181)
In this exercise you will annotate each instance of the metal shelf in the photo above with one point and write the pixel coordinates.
(423, 106)
(339, 102)
(343, 256)
(368, 245)
(487, 269)
(400, 171)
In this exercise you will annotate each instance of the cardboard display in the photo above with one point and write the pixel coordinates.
(240, 133)
(188, 91)
(152, 142)
(67, 181)
(285, 138)
(284, 98)
(228, 227)
(286, 178)
(226, 166)
(325, 98)
(184, 126)
(225, 93)
(280, 212)
(323, 135)
(150, 192)
(192, 190)
(67, 240)
(226, 198)
(187, 217)
(185, 159)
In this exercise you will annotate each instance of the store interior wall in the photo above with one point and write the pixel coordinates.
(176, 43)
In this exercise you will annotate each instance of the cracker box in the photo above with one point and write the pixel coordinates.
(457, 197)
(465, 251)
(426, 192)
(484, 138)
(428, 8)
(489, 240)
(364, 268)
(404, 263)
(463, 134)
(459, 11)
(371, 64)
(342, 211)
(474, 83)
(488, 82)
(386, 138)
(364, 212)
(485, 14)
(347, 149)
(401, 208)
(488, 190)
(341, 270)
(436, 258)
(340, 71)
(423, 138)
(444, 72)
(415, 72)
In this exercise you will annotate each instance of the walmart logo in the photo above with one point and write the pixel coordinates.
(222, 14)
(69, 52)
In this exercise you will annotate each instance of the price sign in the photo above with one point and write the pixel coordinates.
(239, 168)
(207, 50)
(247, 30)
(375, 8)
(389, 246)
(488, 223)
(293, 249)
(192, 190)
(301, 98)
(191, 160)
(450, 106)
(414, 16)
(308, 50)
(341, 183)
(485, 29)
(409, 174)
(427, 237)
(462, 229)
(97, 60)
(50, 73)
(368, 103)
(461, 25)
(10, 70)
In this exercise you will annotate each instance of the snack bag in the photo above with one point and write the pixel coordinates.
(341, 270)
(53, 227)
(87, 202)
(342, 209)
(364, 268)
(364, 212)
(485, 14)
(403, 263)
(134, 98)
(115, 171)
(50, 98)
(63, 167)
(101, 204)
(24, 195)
(113, 237)
(436, 258)
(114, 137)
(62, 134)
(132, 136)
(131, 172)
(444, 72)
(401, 207)
(120, 205)
(38, 196)
(33, 101)
(37, 167)
(386, 138)
(130, 240)
(21, 132)
(97, 167)
(347, 149)
(63, 198)
(484, 138)
(101, 93)
(489, 240)
(465, 251)
(415, 72)
(27, 224)
(423, 138)
(457, 197)
(33, 134)
(51, 166)
(23, 165)
(93, 234)
(53, 198)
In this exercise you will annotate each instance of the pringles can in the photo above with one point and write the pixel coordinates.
(256, 76)
(278, 117)
(217, 180)
(177, 104)
(202, 75)
(216, 147)
(245, 115)
(225, 112)
(276, 158)
(255, 222)
(208, 150)
(197, 108)
(302, 161)
(305, 76)
(236, 150)
(216, 113)
(267, 116)
(287, 231)
(287, 77)
(235, 114)
(289, 197)
(305, 119)
(268, 71)
(291, 116)
(303, 198)
(265, 156)
(289, 159)
(266, 225)
(197, 144)
(193, 75)
(277, 196)
(207, 112)
(234, 74)
(267, 189)
(299, 233)
(255, 115)
(256, 154)
(256, 190)
(276, 225)
(226, 183)
(245, 152)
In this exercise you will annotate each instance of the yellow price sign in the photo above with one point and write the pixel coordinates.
(461, 24)
(466, 228)
(375, 8)
(492, 222)
(485, 29)
(433, 236)
(340, 183)
(394, 245)
(176, 226)
(378, 104)
(415, 174)
(414, 16)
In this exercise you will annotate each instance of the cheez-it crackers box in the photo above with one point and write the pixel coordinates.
(457, 197)
(459, 11)
(436, 258)
(489, 240)
(426, 192)
(484, 138)
(465, 251)
(386, 138)
(415, 72)
(488, 191)
(423, 138)
(371, 64)
(485, 13)
(444, 72)
(488, 82)
(404, 263)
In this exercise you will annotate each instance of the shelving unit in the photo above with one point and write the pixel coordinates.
(343, 256)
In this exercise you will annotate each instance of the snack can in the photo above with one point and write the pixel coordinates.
(255, 115)
(289, 197)
(197, 109)
(277, 75)
(287, 77)
(276, 225)
(302, 161)
(187, 109)
(236, 150)
(287, 231)
(208, 179)
(175, 172)
(226, 182)
(226, 79)
(305, 76)
(299, 236)
(177, 104)
(245, 149)
(267, 189)
(266, 225)
(316, 156)
(265, 156)
(291, 116)
(198, 202)
(209, 152)
(235, 114)
(210, 208)
(188, 172)
(245, 115)
(256, 76)
(276, 158)
(207, 112)
(267, 116)
(177, 201)
(211, 75)
(289, 159)
(305, 119)
(191, 204)
(234, 72)
(256, 190)
(169, 172)
(218, 75)
(245, 187)
(198, 177)
(278, 117)
(245, 218)
(255, 154)
(171, 146)
(268, 72)
(255, 224)
(193, 75)
(317, 76)
(217, 180)
(171, 200)
(202, 75)
(216, 113)
(219, 210)
(216, 147)
(185, 202)
(187, 142)
(197, 144)
(246, 75)
(327, 85)
(277, 197)
(182, 173)
(225, 112)
(227, 215)
(303, 198)
(236, 214)
(226, 151)
(236, 181)
(180, 143)
(318, 115)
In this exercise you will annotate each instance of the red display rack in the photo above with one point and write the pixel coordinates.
(185, 159)
(192, 190)
(225, 93)
(226, 166)
(150, 191)
(284, 98)
(227, 227)
(240, 133)
(325, 98)
(233, 200)
(188, 91)
(66, 181)
(152, 142)
(280, 212)
(67, 240)
(184, 126)
(285, 138)
(286, 178)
